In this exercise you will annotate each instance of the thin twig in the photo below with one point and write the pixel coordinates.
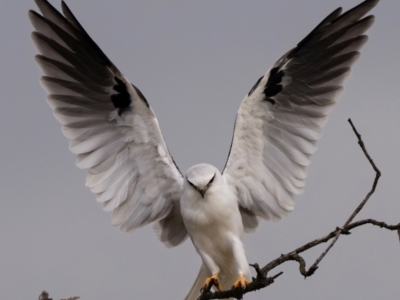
(361, 205)
(398, 233)
(373, 222)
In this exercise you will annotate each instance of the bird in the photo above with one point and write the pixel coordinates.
(116, 136)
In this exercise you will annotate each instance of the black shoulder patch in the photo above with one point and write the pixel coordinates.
(274, 84)
(122, 100)
(255, 86)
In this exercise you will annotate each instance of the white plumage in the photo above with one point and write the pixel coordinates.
(115, 135)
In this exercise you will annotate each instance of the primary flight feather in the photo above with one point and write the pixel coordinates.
(116, 136)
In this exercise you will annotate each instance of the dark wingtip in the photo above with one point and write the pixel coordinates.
(338, 10)
(329, 19)
(64, 6)
(373, 2)
(33, 15)
(371, 18)
(32, 12)
(69, 15)
(43, 4)
(361, 9)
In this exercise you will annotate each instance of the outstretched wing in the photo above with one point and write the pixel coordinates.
(112, 128)
(280, 121)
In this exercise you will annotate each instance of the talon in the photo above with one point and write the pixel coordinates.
(210, 282)
(241, 282)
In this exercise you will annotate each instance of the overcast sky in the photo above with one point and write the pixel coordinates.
(194, 61)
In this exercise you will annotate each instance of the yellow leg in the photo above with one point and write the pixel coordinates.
(212, 281)
(241, 282)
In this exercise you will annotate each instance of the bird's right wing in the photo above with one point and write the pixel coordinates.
(280, 121)
(113, 130)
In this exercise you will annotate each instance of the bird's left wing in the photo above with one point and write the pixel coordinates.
(112, 128)
(280, 120)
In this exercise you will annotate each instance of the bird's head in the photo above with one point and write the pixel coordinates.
(201, 177)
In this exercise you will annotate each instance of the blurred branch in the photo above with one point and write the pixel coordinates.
(263, 280)
(45, 296)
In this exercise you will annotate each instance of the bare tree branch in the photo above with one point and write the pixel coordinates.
(45, 296)
(262, 280)
(360, 206)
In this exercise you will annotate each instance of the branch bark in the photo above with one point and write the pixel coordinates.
(263, 280)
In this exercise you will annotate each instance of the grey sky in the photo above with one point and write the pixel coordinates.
(194, 62)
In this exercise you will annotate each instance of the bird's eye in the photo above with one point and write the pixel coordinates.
(190, 183)
(211, 181)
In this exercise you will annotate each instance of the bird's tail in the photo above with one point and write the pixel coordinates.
(194, 292)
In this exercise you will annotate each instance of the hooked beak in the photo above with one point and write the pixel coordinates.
(202, 192)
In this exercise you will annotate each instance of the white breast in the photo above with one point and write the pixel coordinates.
(213, 221)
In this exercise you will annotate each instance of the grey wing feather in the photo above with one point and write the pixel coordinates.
(171, 230)
(281, 119)
(112, 129)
